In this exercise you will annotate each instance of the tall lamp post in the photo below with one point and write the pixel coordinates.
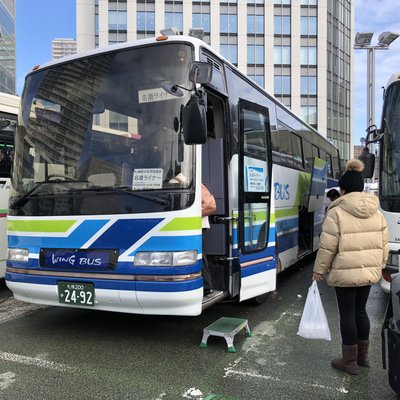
(363, 41)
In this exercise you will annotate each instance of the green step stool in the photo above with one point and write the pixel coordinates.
(227, 328)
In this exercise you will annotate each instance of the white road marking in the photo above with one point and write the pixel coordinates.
(161, 396)
(284, 382)
(37, 362)
(6, 380)
(192, 392)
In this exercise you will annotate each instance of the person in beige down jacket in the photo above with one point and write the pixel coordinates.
(352, 253)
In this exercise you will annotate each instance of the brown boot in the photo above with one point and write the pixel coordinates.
(363, 347)
(348, 362)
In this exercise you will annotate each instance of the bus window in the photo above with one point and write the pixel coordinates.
(329, 162)
(315, 151)
(336, 166)
(308, 155)
(256, 180)
(275, 146)
(297, 153)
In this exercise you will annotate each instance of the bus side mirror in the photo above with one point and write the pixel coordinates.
(369, 163)
(200, 72)
(194, 119)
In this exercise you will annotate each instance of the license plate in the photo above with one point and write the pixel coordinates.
(75, 293)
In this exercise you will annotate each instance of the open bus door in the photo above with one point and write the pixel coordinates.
(313, 204)
(256, 259)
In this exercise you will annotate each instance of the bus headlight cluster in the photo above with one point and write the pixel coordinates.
(165, 258)
(21, 255)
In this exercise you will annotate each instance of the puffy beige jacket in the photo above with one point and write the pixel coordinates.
(354, 242)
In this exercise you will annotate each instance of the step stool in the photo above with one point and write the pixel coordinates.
(227, 328)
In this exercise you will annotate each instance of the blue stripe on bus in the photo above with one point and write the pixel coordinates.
(286, 224)
(257, 269)
(111, 285)
(319, 174)
(124, 233)
(169, 286)
(331, 183)
(287, 241)
(171, 243)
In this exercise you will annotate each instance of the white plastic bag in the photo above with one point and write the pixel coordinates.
(313, 323)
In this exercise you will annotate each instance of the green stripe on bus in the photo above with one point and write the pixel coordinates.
(287, 212)
(318, 162)
(40, 226)
(183, 224)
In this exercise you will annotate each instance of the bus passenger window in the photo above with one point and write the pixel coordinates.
(308, 155)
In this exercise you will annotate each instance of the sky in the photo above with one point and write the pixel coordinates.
(40, 21)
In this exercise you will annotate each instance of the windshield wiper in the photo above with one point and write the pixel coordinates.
(18, 203)
(121, 189)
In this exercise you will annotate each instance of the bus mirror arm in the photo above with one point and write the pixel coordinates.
(376, 134)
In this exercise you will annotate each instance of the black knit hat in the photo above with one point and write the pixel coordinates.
(352, 180)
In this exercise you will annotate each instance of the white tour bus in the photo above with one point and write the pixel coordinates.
(388, 137)
(8, 121)
(111, 150)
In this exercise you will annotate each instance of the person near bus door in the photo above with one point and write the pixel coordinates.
(352, 253)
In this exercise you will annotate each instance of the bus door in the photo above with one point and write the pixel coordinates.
(256, 259)
(214, 176)
(314, 206)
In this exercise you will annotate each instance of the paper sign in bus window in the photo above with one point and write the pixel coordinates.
(256, 179)
(147, 178)
(152, 95)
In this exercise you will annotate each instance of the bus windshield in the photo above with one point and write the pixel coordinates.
(99, 135)
(390, 171)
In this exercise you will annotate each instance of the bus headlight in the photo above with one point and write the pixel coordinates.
(165, 258)
(21, 255)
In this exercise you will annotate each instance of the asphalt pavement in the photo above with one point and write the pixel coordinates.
(52, 352)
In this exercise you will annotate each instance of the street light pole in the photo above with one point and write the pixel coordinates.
(370, 86)
(363, 41)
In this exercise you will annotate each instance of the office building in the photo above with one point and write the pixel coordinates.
(298, 50)
(63, 47)
(7, 46)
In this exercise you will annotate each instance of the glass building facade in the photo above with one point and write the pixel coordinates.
(7, 46)
(298, 50)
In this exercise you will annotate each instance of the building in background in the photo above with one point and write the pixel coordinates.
(298, 50)
(62, 47)
(7, 47)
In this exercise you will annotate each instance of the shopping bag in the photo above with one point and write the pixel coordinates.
(313, 323)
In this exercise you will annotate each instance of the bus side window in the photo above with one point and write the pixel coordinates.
(308, 155)
(275, 146)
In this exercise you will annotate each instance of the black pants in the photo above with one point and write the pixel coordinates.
(354, 321)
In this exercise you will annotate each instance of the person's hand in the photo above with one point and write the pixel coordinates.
(317, 277)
